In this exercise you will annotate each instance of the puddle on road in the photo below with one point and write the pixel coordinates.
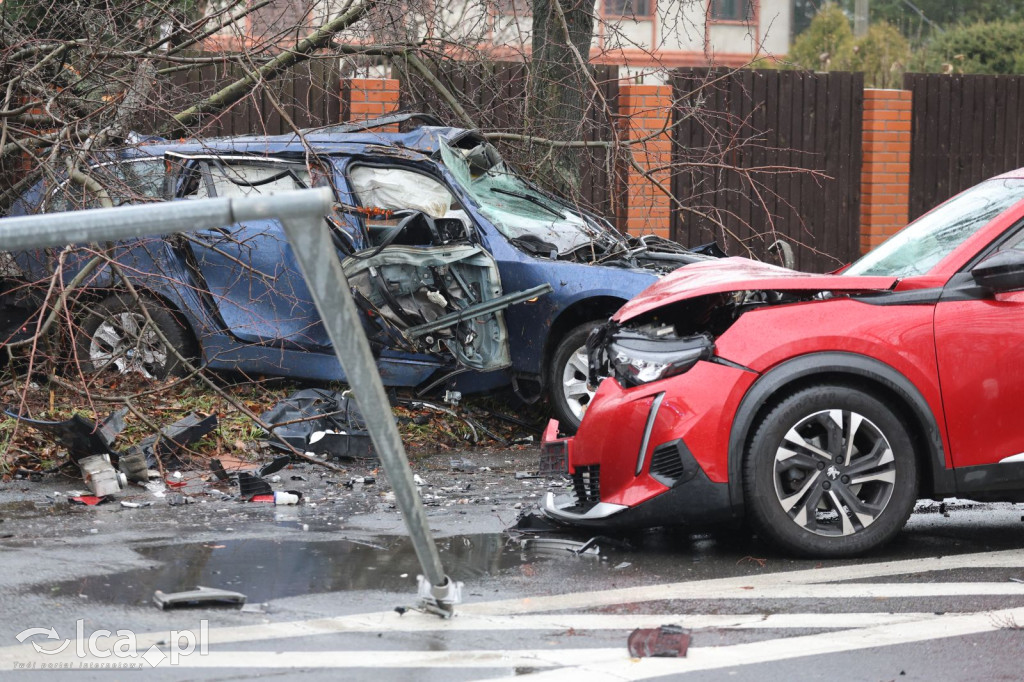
(266, 569)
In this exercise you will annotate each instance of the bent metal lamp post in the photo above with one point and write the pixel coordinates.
(301, 212)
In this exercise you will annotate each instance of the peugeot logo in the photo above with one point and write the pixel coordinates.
(832, 473)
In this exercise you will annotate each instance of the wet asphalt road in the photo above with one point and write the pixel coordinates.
(944, 602)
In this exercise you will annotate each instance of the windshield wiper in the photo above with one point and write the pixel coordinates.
(527, 197)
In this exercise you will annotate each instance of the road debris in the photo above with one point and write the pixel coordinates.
(561, 547)
(167, 444)
(286, 497)
(668, 641)
(88, 500)
(323, 423)
(250, 485)
(201, 596)
(100, 475)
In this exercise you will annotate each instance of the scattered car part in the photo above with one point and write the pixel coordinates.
(273, 466)
(250, 485)
(561, 547)
(669, 641)
(101, 476)
(89, 500)
(201, 596)
(554, 452)
(217, 468)
(340, 445)
(326, 423)
(534, 523)
(133, 465)
(80, 436)
(166, 445)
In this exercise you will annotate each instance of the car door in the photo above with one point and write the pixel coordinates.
(424, 270)
(979, 341)
(248, 269)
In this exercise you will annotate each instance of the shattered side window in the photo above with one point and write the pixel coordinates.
(516, 209)
(920, 246)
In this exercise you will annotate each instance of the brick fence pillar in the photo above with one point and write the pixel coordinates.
(364, 98)
(645, 110)
(885, 174)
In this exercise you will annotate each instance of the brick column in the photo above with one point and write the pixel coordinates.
(885, 174)
(645, 109)
(364, 98)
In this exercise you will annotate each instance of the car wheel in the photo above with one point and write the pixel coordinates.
(830, 472)
(115, 336)
(567, 380)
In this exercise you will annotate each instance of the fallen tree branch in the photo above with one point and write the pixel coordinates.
(230, 94)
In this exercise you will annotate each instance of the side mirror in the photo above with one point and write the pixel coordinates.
(1002, 271)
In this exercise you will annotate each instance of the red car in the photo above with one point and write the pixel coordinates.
(818, 407)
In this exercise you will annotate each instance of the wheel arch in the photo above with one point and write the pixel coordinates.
(579, 312)
(854, 370)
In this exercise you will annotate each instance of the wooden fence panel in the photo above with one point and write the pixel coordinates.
(309, 94)
(965, 129)
(744, 143)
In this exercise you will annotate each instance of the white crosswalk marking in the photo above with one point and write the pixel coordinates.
(842, 631)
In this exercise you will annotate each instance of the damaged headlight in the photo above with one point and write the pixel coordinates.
(639, 358)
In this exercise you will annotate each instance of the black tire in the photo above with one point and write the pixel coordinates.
(568, 402)
(113, 336)
(839, 505)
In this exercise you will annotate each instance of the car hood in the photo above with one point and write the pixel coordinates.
(739, 274)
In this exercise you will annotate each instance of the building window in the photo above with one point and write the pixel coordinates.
(732, 10)
(628, 8)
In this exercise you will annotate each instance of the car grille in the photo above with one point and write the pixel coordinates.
(667, 463)
(586, 483)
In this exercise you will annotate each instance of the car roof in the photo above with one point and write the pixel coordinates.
(424, 139)
(1014, 174)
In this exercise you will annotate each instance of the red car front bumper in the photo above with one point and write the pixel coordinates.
(654, 455)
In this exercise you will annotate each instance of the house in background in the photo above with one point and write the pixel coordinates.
(642, 35)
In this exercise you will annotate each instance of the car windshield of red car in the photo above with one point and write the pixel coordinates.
(917, 248)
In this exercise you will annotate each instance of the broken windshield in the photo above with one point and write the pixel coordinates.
(518, 210)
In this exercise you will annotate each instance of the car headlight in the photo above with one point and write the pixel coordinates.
(637, 358)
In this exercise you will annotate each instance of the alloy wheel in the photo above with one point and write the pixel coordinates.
(574, 383)
(834, 473)
(126, 343)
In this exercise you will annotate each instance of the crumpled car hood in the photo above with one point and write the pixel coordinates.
(739, 274)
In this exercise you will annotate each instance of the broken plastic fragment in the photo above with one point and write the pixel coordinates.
(285, 497)
(201, 596)
(670, 641)
(90, 500)
(274, 466)
(249, 485)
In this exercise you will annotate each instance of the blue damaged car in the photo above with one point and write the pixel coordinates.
(467, 276)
